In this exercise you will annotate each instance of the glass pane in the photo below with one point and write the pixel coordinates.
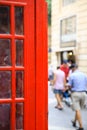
(19, 52)
(19, 84)
(19, 20)
(5, 84)
(4, 19)
(5, 116)
(19, 116)
(5, 52)
(63, 27)
(66, 2)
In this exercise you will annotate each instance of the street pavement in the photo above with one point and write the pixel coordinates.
(61, 120)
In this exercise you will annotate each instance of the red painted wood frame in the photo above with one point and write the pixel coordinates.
(41, 66)
(35, 64)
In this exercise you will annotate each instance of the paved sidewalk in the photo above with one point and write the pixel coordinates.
(61, 120)
(60, 128)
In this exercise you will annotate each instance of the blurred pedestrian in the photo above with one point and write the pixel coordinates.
(78, 85)
(65, 68)
(50, 74)
(59, 82)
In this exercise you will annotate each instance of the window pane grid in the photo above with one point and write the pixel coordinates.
(67, 2)
(68, 29)
(11, 67)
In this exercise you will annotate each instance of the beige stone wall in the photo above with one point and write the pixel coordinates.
(82, 34)
(55, 30)
(78, 8)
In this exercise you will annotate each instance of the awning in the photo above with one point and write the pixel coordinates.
(62, 49)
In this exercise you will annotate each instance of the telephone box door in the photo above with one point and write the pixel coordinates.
(23, 65)
(17, 65)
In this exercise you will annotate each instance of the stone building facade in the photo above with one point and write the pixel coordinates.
(69, 32)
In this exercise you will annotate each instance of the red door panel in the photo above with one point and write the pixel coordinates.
(23, 65)
(16, 58)
(41, 66)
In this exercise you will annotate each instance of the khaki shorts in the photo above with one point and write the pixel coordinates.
(78, 100)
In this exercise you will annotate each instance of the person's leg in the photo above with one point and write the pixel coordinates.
(75, 106)
(59, 102)
(78, 113)
(75, 117)
(78, 118)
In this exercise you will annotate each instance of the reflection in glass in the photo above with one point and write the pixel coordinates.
(19, 53)
(19, 116)
(5, 52)
(4, 19)
(68, 25)
(19, 20)
(5, 116)
(5, 84)
(19, 83)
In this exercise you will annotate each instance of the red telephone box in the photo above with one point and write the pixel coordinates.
(23, 65)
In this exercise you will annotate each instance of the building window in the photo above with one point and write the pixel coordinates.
(68, 30)
(67, 2)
